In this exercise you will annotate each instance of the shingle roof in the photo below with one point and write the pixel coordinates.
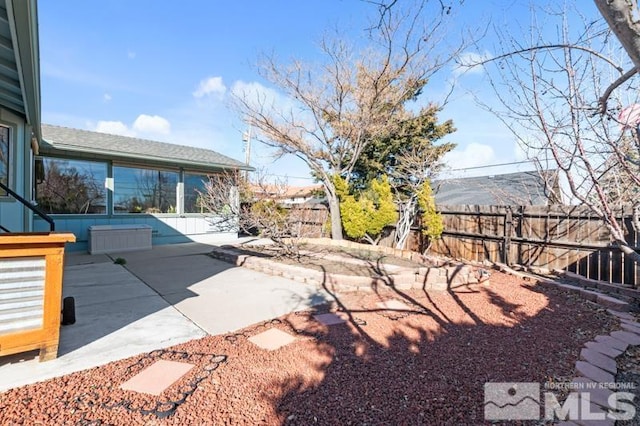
(57, 140)
(523, 188)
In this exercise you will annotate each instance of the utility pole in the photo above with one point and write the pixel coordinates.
(246, 138)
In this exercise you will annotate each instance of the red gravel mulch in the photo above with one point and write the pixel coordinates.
(427, 365)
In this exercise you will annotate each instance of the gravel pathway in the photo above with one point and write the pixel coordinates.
(424, 365)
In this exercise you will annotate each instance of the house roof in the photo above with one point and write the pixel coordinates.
(66, 141)
(286, 191)
(522, 188)
(20, 60)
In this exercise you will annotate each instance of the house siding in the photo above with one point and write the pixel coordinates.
(13, 215)
(165, 229)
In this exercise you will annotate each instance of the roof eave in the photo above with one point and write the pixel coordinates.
(63, 149)
(27, 48)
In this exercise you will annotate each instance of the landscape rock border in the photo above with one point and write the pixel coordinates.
(442, 277)
(591, 295)
(596, 367)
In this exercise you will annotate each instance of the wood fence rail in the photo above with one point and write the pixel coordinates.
(552, 237)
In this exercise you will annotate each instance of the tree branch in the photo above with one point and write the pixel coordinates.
(546, 47)
(602, 102)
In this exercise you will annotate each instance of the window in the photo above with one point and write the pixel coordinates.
(4, 157)
(144, 190)
(71, 186)
(194, 184)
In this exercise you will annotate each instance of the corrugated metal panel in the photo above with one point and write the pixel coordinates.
(21, 294)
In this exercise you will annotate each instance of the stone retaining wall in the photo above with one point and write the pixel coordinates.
(439, 278)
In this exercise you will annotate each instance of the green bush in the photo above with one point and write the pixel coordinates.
(366, 216)
(432, 224)
(269, 216)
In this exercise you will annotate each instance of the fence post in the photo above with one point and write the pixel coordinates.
(506, 240)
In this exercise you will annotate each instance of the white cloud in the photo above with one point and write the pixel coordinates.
(259, 96)
(472, 155)
(131, 54)
(144, 126)
(114, 128)
(152, 124)
(210, 86)
(521, 152)
(468, 63)
(106, 97)
(255, 93)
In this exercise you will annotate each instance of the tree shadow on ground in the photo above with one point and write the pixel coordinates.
(428, 363)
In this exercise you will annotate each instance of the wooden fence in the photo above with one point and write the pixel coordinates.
(312, 219)
(553, 237)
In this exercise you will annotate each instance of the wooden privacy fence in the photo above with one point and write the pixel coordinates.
(311, 219)
(553, 237)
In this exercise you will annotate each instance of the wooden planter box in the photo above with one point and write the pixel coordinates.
(31, 292)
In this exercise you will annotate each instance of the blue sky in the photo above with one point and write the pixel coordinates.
(163, 70)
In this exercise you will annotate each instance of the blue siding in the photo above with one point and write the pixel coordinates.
(165, 230)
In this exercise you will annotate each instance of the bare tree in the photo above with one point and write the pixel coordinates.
(622, 18)
(334, 109)
(221, 199)
(414, 168)
(551, 101)
(255, 208)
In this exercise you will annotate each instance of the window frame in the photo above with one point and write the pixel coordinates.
(4, 196)
(205, 177)
(106, 193)
(115, 165)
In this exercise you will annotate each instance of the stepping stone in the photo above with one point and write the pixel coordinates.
(594, 373)
(603, 349)
(589, 295)
(626, 337)
(393, 304)
(612, 302)
(272, 339)
(570, 288)
(331, 319)
(610, 341)
(621, 315)
(630, 321)
(157, 377)
(630, 327)
(595, 409)
(599, 360)
(598, 395)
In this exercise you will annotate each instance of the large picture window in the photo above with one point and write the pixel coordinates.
(194, 184)
(144, 190)
(4, 157)
(71, 186)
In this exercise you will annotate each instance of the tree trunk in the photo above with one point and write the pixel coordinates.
(628, 251)
(334, 211)
(619, 15)
(617, 236)
(403, 228)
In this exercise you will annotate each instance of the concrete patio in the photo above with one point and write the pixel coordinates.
(159, 298)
